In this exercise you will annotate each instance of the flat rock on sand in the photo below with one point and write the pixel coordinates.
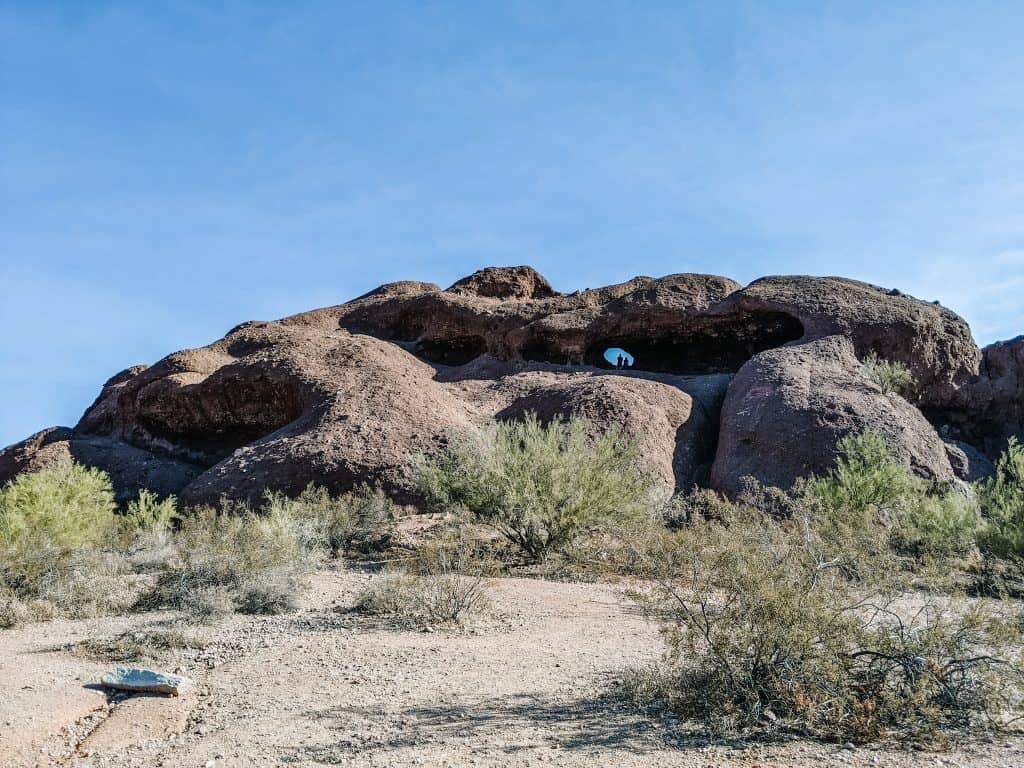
(145, 681)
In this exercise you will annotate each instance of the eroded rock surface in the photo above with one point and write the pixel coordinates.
(990, 409)
(787, 409)
(348, 394)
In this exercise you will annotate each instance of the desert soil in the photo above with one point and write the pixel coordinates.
(533, 684)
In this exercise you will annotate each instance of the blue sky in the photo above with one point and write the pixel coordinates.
(169, 170)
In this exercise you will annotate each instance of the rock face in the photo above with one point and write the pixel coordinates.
(788, 408)
(130, 468)
(989, 409)
(728, 382)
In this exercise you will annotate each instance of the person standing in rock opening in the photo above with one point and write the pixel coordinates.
(619, 362)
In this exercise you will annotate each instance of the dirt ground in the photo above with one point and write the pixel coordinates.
(533, 684)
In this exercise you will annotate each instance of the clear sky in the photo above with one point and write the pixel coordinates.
(169, 170)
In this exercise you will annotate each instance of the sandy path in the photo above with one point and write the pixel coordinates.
(324, 687)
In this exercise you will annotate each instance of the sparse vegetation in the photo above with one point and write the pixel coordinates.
(870, 505)
(892, 376)
(66, 550)
(445, 584)
(540, 485)
(764, 634)
(62, 546)
(782, 611)
(48, 517)
(360, 522)
(237, 559)
(792, 614)
(1002, 502)
(937, 527)
(134, 645)
(684, 509)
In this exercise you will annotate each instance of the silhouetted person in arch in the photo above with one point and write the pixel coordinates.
(620, 362)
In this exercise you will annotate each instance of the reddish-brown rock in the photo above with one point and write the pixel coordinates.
(787, 409)
(131, 469)
(989, 409)
(350, 393)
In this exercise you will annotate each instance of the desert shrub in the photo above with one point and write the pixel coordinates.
(256, 563)
(867, 478)
(937, 527)
(540, 485)
(871, 506)
(149, 512)
(150, 642)
(13, 610)
(62, 544)
(445, 584)
(769, 500)
(93, 582)
(48, 516)
(611, 552)
(358, 522)
(892, 376)
(764, 635)
(698, 505)
(65, 550)
(1001, 499)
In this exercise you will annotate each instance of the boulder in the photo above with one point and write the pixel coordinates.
(787, 409)
(513, 283)
(281, 406)
(934, 342)
(674, 420)
(968, 463)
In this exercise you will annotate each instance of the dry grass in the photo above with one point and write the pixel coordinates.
(445, 584)
(237, 559)
(146, 643)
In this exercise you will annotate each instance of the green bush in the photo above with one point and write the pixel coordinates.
(358, 522)
(764, 635)
(148, 512)
(64, 549)
(48, 516)
(871, 504)
(63, 545)
(539, 485)
(937, 527)
(867, 478)
(892, 376)
(1001, 499)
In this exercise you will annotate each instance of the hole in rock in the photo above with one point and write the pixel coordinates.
(720, 345)
(617, 357)
(209, 422)
(457, 350)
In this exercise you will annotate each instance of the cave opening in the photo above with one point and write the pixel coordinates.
(207, 423)
(721, 345)
(457, 350)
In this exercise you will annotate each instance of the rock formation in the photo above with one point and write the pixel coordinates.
(728, 382)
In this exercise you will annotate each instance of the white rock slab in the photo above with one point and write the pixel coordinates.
(145, 681)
